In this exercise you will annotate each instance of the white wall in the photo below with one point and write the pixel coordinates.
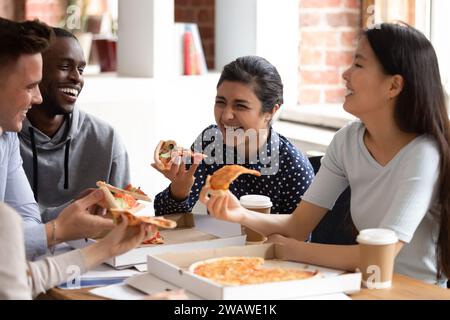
(145, 111)
(145, 47)
(440, 27)
(267, 28)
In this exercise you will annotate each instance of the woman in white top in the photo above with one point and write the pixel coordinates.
(396, 159)
(20, 279)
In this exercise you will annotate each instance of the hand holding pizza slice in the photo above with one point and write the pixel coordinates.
(124, 202)
(219, 201)
(116, 198)
(167, 151)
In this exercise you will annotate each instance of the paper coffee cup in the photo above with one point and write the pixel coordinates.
(377, 255)
(257, 203)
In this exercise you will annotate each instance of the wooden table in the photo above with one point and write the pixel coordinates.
(403, 288)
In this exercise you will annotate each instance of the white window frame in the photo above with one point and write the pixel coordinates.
(439, 27)
(431, 17)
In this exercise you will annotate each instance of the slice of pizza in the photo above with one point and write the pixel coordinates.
(137, 193)
(167, 150)
(135, 220)
(119, 201)
(155, 239)
(116, 198)
(221, 179)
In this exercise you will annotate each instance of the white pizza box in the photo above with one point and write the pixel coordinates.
(174, 268)
(192, 232)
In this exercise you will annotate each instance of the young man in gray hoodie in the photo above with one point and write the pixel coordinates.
(21, 45)
(65, 150)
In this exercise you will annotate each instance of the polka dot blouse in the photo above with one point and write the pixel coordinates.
(286, 175)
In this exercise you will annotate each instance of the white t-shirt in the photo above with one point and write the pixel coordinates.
(398, 196)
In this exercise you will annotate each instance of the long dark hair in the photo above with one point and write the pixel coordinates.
(420, 108)
(261, 75)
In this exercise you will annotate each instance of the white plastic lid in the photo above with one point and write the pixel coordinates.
(255, 201)
(377, 236)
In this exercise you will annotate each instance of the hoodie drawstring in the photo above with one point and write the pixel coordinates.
(68, 118)
(35, 160)
(35, 164)
(66, 164)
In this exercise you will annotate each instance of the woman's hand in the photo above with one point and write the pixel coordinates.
(124, 238)
(182, 179)
(286, 247)
(120, 240)
(223, 205)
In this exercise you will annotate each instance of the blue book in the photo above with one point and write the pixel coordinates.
(91, 282)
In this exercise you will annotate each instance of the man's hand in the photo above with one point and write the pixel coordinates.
(77, 222)
(97, 209)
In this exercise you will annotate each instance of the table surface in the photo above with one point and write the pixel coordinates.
(403, 288)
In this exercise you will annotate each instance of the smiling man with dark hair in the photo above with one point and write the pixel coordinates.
(58, 138)
(21, 47)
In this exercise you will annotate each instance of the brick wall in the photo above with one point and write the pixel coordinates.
(12, 9)
(328, 33)
(7, 9)
(201, 12)
(51, 12)
(198, 11)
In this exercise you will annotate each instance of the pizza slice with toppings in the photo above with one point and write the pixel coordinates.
(122, 202)
(168, 150)
(155, 239)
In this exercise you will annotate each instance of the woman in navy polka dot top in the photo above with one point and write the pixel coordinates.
(249, 93)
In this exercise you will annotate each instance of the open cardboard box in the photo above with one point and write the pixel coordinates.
(173, 267)
(192, 232)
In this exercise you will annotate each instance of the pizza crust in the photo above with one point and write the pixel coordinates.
(134, 220)
(103, 185)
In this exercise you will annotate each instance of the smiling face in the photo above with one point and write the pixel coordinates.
(19, 90)
(368, 87)
(238, 108)
(62, 81)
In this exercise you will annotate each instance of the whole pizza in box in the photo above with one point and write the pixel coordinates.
(236, 271)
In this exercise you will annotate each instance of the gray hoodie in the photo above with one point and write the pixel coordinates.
(84, 150)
